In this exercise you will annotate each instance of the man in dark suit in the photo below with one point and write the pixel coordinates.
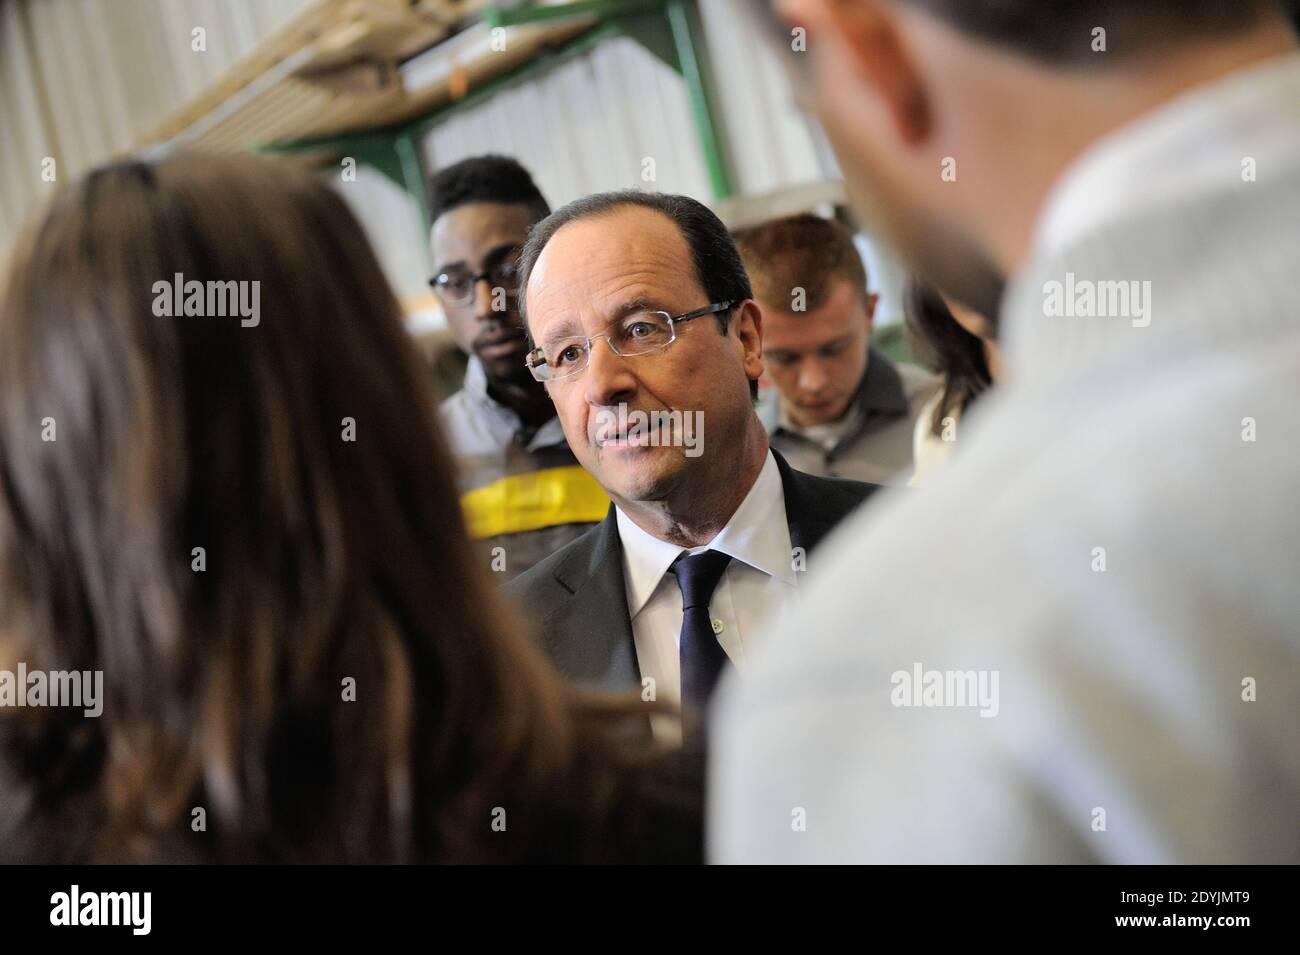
(646, 332)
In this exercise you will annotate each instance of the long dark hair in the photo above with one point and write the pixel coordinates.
(332, 677)
(946, 348)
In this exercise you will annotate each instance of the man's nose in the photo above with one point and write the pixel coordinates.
(812, 377)
(606, 379)
(485, 296)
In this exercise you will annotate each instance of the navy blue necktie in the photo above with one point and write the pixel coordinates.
(702, 657)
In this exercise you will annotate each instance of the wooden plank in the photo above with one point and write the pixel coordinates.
(349, 82)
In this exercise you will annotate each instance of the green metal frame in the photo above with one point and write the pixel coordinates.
(693, 63)
(605, 9)
(669, 29)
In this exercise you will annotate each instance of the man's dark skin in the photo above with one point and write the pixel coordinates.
(479, 236)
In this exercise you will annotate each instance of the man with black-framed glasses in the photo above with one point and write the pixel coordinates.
(649, 343)
(522, 491)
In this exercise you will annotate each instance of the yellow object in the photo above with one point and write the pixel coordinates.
(527, 502)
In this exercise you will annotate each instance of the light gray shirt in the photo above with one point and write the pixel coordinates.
(872, 442)
(1082, 642)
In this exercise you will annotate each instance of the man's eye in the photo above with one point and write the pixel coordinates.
(568, 355)
(640, 330)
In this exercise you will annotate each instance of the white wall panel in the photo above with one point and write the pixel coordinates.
(770, 141)
(394, 226)
(83, 80)
(586, 126)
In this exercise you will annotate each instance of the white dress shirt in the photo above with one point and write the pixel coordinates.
(1117, 541)
(929, 450)
(755, 585)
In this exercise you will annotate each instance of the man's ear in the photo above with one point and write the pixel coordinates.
(872, 41)
(872, 300)
(748, 320)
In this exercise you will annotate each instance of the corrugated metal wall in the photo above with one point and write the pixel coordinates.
(83, 80)
(770, 141)
(395, 228)
(586, 126)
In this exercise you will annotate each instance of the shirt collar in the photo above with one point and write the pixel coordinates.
(757, 535)
(475, 385)
(880, 392)
(476, 380)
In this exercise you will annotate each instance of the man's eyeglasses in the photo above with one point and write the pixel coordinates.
(455, 286)
(640, 333)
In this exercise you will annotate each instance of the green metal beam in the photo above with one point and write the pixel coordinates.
(666, 28)
(396, 156)
(416, 183)
(418, 126)
(653, 32)
(669, 30)
(683, 18)
(605, 9)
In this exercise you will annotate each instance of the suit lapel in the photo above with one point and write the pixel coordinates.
(809, 510)
(590, 633)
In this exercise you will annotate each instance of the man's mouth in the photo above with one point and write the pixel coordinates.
(633, 439)
(821, 405)
(501, 344)
(611, 435)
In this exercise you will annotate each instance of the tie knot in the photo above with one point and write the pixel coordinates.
(698, 575)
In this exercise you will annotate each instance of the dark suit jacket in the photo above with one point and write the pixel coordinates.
(576, 599)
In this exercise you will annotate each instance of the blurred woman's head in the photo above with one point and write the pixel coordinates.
(954, 341)
(252, 529)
